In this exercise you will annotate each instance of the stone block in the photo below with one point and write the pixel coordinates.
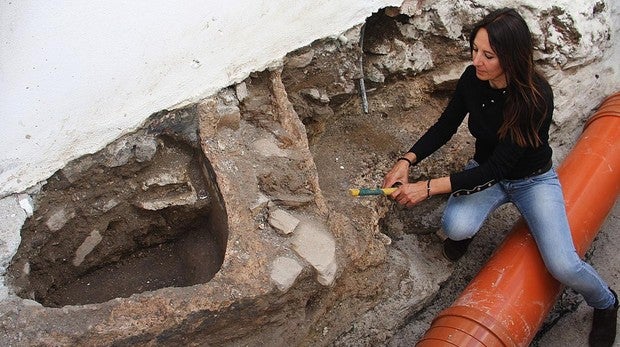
(314, 243)
(86, 247)
(284, 272)
(283, 222)
(12, 217)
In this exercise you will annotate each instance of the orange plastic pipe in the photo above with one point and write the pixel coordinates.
(507, 301)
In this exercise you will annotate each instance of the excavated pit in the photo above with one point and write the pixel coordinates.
(137, 216)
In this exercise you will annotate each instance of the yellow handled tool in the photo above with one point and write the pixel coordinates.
(371, 191)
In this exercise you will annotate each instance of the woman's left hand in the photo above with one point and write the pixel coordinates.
(410, 194)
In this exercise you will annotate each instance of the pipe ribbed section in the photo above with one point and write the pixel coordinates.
(508, 300)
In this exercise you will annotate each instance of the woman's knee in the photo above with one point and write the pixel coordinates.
(458, 228)
(464, 215)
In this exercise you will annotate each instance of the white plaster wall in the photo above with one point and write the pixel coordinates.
(75, 75)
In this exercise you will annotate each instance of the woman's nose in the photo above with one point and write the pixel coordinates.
(476, 59)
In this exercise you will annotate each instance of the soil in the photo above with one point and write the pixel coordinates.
(188, 261)
(356, 149)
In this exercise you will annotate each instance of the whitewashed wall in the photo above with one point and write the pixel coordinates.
(75, 75)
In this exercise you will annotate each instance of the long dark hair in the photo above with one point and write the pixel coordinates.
(525, 108)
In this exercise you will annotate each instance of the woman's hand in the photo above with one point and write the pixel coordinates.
(400, 171)
(398, 174)
(411, 194)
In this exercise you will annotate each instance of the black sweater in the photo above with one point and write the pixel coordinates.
(498, 159)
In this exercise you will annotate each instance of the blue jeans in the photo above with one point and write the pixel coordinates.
(540, 201)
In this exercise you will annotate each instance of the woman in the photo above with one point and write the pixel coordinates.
(510, 108)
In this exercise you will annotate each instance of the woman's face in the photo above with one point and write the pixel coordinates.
(486, 61)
